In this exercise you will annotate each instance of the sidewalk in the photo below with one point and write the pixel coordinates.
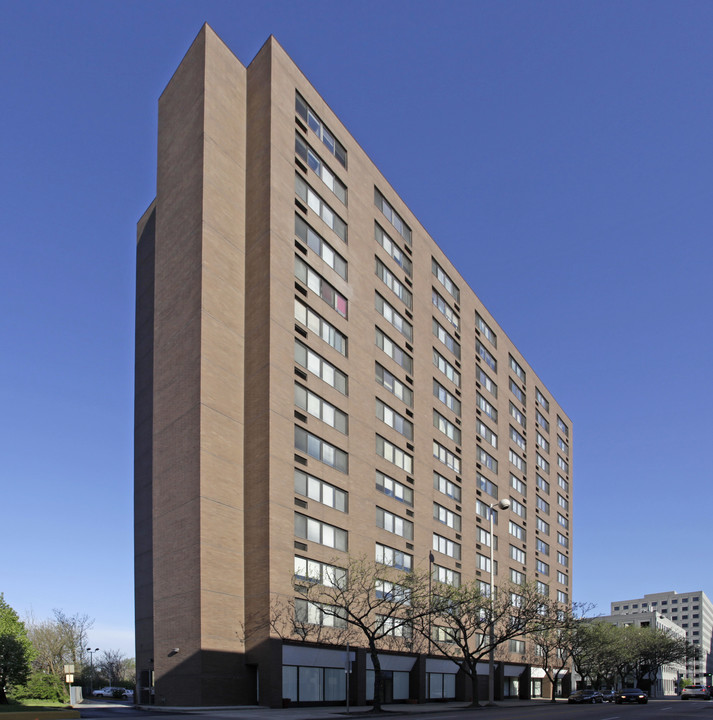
(326, 712)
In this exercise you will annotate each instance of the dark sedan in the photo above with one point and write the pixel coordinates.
(631, 695)
(585, 696)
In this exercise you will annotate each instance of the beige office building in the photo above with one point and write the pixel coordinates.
(314, 378)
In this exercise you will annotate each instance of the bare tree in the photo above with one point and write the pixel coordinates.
(468, 623)
(363, 603)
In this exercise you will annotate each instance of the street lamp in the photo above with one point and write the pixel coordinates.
(91, 662)
(503, 504)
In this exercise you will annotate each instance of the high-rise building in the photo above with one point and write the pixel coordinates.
(314, 378)
(691, 611)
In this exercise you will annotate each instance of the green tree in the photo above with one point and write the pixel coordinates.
(15, 649)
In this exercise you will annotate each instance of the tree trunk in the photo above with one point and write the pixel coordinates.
(378, 681)
(474, 689)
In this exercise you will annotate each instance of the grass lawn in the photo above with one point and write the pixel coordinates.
(32, 706)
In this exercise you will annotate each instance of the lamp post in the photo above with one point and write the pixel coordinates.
(503, 504)
(430, 577)
(91, 662)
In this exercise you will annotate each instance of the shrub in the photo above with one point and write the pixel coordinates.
(41, 687)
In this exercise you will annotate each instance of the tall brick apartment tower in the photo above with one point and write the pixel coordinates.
(313, 378)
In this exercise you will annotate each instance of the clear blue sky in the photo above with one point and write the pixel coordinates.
(561, 153)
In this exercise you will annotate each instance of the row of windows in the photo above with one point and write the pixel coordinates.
(320, 169)
(320, 130)
(320, 246)
(317, 204)
(320, 287)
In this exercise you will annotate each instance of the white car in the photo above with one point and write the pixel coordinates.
(105, 692)
(695, 691)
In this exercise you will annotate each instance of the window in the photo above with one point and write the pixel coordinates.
(394, 386)
(542, 588)
(562, 520)
(542, 546)
(542, 442)
(519, 416)
(517, 647)
(447, 517)
(311, 613)
(486, 433)
(486, 459)
(321, 208)
(385, 343)
(518, 439)
(320, 169)
(320, 532)
(318, 366)
(446, 427)
(319, 572)
(515, 367)
(516, 577)
(446, 547)
(321, 491)
(450, 401)
(490, 361)
(483, 536)
(393, 249)
(443, 278)
(398, 288)
(320, 130)
(317, 407)
(484, 379)
(518, 555)
(446, 457)
(562, 597)
(542, 567)
(446, 487)
(517, 484)
(562, 445)
(563, 464)
(386, 590)
(517, 461)
(446, 576)
(542, 504)
(446, 635)
(562, 426)
(486, 407)
(562, 483)
(542, 420)
(482, 562)
(486, 486)
(542, 526)
(394, 524)
(561, 578)
(517, 392)
(542, 483)
(562, 502)
(562, 559)
(395, 627)
(485, 511)
(542, 463)
(392, 216)
(320, 450)
(321, 247)
(394, 420)
(393, 454)
(485, 329)
(517, 507)
(562, 540)
(320, 327)
(393, 488)
(517, 530)
(448, 312)
(390, 314)
(446, 338)
(392, 557)
(542, 399)
(446, 368)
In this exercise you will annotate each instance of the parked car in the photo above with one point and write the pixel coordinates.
(609, 695)
(695, 691)
(128, 694)
(105, 692)
(631, 695)
(585, 696)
